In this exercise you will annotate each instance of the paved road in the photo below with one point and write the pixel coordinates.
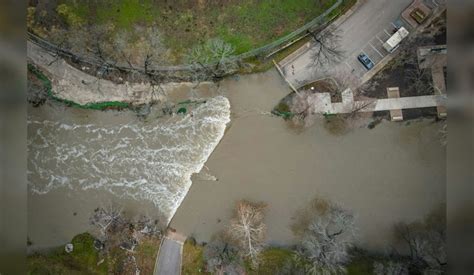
(169, 259)
(363, 31)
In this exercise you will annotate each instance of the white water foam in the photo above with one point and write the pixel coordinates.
(152, 161)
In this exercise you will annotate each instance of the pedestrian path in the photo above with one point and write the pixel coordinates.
(323, 105)
(170, 254)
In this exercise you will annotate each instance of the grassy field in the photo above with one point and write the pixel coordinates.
(272, 261)
(85, 259)
(246, 24)
(193, 259)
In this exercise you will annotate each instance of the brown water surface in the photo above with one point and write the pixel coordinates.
(395, 172)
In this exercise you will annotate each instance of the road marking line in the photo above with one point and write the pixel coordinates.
(376, 49)
(379, 39)
(395, 26)
(386, 32)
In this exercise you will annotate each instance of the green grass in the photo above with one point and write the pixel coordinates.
(125, 13)
(273, 260)
(360, 267)
(122, 14)
(148, 249)
(246, 24)
(146, 254)
(251, 24)
(82, 260)
(241, 42)
(193, 259)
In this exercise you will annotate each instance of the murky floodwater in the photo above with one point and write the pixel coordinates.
(391, 173)
(388, 174)
(117, 154)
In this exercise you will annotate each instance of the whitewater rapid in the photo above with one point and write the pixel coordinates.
(150, 161)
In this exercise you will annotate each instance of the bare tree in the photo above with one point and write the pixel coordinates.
(214, 52)
(113, 230)
(221, 52)
(107, 219)
(151, 48)
(419, 80)
(76, 40)
(142, 53)
(247, 229)
(121, 43)
(326, 49)
(59, 36)
(390, 267)
(147, 226)
(426, 241)
(327, 232)
(222, 257)
(99, 44)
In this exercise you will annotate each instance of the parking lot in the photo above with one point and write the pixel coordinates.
(373, 48)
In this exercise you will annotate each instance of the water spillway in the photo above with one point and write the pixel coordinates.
(151, 160)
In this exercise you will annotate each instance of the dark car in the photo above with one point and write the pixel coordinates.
(365, 60)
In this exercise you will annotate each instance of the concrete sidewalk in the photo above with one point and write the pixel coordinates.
(321, 103)
(169, 258)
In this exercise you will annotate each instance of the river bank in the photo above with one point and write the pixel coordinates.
(79, 87)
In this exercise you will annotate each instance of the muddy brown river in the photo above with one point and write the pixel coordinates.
(394, 172)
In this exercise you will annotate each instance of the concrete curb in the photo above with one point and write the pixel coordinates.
(155, 269)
